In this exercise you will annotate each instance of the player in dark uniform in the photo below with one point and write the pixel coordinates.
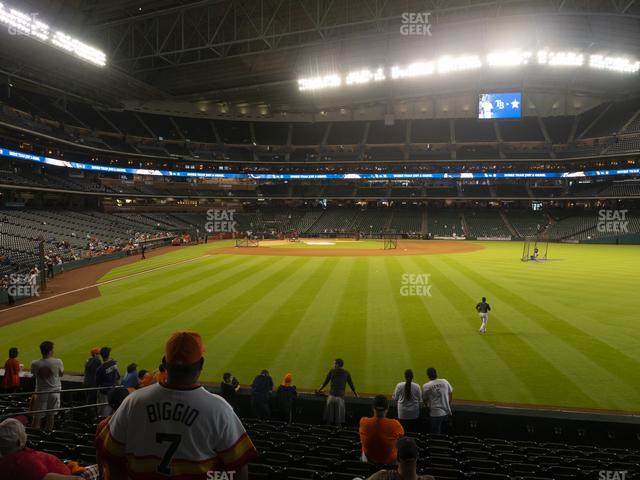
(483, 308)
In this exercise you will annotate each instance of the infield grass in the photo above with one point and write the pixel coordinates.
(561, 333)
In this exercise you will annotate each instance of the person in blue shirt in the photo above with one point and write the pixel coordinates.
(131, 379)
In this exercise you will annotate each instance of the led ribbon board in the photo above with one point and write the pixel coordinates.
(4, 152)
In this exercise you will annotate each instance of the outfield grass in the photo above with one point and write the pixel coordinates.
(561, 333)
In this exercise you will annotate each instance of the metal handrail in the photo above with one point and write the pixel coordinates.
(50, 410)
(87, 389)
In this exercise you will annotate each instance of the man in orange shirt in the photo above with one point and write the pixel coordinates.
(378, 434)
(11, 380)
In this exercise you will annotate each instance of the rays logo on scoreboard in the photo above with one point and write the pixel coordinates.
(500, 105)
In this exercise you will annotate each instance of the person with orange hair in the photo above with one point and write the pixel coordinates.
(286, 396)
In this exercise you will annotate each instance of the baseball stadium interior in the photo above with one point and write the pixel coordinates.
(272, 173)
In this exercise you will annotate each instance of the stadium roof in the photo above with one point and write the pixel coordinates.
(252, 51)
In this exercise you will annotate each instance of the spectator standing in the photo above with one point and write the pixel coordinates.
(131, 379)
(379, 434)
(11, 379)
(261, 389)
(33, 281)
(286, 396)
(200, 429)
(161, 375)
(228, 387)
(407, 463)
(48, 372)
(437, 394)
(408, 396)
(49, 264)
(107, 377)
(90, 368)
(334, 412)
(17, 462)
(115, 398)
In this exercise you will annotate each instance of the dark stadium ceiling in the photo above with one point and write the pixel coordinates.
(252, 51)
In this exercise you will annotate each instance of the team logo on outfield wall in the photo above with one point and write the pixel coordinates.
(220, 221)
(415, 23)
(415, 285)
(613, 221)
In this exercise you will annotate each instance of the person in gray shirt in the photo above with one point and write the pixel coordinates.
(48, 372)
(334, 413)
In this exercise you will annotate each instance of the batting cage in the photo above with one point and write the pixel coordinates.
(535, 248)
(390, 241)
(247, 242)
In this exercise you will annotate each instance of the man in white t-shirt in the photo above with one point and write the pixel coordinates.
(437, 394)
(176, 429)
(48, 372)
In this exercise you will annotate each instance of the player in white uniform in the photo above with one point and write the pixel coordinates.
(176, 430)
(486, 107)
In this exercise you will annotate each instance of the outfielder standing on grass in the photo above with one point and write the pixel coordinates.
(483, 309)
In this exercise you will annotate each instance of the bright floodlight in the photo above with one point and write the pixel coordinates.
(318, 83)
(20, 23)
(508, 58)
(562, 59)
(365, 76)
(616, 64)
(448, 63)
(417, 69)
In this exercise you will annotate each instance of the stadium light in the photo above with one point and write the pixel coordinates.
(449, 64)
(417, 69)
(318, 83)
(365, 76)
(20, 23)
(562, 59)
(616, 64)
(509, 58)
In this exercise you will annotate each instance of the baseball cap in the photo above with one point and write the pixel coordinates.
(105, 351)
(184, 348)
(380, 402)
(407, 449)
(11, 431)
